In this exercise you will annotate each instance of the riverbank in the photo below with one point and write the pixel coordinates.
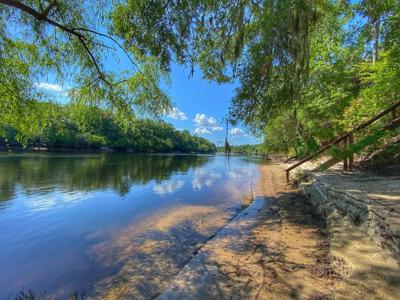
(274, 249)
(199, 239)
(278, 248)
(36, 150)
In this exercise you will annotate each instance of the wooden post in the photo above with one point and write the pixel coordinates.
(351, 155)
(345, 149)
(287, 176)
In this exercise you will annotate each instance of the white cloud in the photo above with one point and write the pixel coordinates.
(237, 131)
(50, 87)
(201, 130)
(201, 120)
(176, 114)
(205, 124)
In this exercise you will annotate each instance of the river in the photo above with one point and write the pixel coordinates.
(103, 223)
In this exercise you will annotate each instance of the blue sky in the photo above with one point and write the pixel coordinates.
(198, 105)
(201, 105)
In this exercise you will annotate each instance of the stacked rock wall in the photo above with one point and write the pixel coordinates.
(381, 223)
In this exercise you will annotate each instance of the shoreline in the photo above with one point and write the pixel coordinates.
(262, 253)
(280, 248)
(94, 151)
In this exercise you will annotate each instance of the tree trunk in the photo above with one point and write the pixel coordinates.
(376, 32)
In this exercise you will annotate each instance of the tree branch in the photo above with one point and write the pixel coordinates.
(115, 41)
(72, 31)
(81, 39)
(48, 9)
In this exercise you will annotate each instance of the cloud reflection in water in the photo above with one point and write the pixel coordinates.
(55, 199)
(203, 177)
(168, 187)
(240, 173)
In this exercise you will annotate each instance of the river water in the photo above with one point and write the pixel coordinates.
(106, 223)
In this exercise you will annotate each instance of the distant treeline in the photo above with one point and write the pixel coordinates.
(245, 149)
(79, 126)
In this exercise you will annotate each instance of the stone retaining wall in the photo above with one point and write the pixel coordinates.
(381, 223)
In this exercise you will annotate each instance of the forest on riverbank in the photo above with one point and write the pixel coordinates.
(345, 70)
(246, 149)
(84, 127)
(306, 71)
(353, 73)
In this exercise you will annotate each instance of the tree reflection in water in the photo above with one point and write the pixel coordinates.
(88, 172)
(174, 204)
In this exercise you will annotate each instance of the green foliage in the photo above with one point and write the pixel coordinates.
(344, 87)
(367, 144)
(83, 126)
(263, 44)
(245, 149)
(280, 134)
(307, 70)
(66, 41)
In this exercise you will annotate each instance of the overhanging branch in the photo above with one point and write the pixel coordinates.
(76, 32)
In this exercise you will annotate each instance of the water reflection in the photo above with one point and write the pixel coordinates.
(42, 174)
(168, 187)
(99, 221)
(49, 200)
(239, 173)
(203, 177)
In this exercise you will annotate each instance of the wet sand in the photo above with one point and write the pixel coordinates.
(148, 254)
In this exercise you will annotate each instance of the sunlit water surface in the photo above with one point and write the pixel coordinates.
(93, 222)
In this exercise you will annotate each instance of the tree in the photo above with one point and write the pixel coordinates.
(375, 12)
(64, 40)
(303, 67)
(263, 44)
(80, 126)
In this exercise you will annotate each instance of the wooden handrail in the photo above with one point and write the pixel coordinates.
(343, 137)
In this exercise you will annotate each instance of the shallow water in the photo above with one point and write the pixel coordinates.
(91, 222)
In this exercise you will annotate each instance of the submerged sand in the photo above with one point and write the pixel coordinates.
(275, 249)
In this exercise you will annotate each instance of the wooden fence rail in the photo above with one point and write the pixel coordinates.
(348, 140)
